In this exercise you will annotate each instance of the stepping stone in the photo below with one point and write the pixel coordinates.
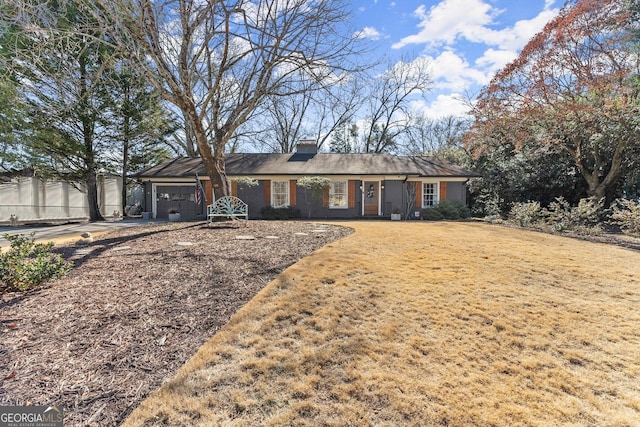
(320, 230)
(245, 238)
(302, 234)
(184, 244)
(271, 237)
(121, 248)
(83, 251)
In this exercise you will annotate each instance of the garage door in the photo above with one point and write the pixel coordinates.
(179, 197)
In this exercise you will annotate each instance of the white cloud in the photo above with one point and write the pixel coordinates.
(494, 60)
(446, 21)
(369, 33)
(452, 20)
(514, 38)
(451, 25)
(452, 72)
(444, 105)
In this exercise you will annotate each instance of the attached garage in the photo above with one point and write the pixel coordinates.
(180, 197)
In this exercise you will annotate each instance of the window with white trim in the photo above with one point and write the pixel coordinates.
(338, 195)
(429, 194)
(279, 194)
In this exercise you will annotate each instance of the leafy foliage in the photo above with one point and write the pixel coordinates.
(510, 176)
(526, 214)
(314, 182)
(431, 214)
(287, 212)
(569, 92)
(10, 118)
(27, 264)
(245, 181)
(343, 138)
(626, 213)
(446, 209)
(560, 215)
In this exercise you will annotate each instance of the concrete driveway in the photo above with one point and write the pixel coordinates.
(70, 231)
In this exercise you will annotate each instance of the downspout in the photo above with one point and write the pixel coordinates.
(466, 193)
(404, 196)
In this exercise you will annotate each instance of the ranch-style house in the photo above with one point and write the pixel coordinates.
(362, 185)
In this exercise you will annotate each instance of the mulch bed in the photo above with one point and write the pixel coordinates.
(138, 303)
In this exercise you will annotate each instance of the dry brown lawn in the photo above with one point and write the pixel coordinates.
(417, 323)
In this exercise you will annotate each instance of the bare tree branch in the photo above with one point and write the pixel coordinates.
(219, 61)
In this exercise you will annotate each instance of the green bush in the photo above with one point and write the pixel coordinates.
(529, 214)
(562, 216)
(454, 210)
(288, 212)
(431, 214)
(626, 214)
(27, 264)
(446, 209)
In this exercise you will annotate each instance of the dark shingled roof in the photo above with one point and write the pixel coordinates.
(240, 164)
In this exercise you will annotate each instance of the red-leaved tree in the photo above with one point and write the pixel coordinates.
(569, 90)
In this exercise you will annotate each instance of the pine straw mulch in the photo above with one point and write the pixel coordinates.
(138, 303)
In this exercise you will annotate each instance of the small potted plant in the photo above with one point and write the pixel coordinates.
(174, 214)
(395, 215)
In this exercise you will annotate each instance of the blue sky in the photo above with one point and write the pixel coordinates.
(465, 41)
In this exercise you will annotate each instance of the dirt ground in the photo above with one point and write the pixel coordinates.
(137, 305)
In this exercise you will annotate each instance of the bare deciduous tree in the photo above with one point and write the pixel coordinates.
(218, 60)
(441, 137)
(427, 135)
(314, 113)
(388, 102)
(282, 122)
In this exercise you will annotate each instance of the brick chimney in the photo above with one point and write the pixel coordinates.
(306, 146)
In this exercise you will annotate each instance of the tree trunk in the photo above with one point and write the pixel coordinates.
(605, 188)
(92, 186)
(213, 159)
(88, 124)
(126, 131)
(221, 185)
(598, 185)
(125, 170)
(92, 196)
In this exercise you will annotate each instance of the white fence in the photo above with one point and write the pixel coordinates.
(27, 199)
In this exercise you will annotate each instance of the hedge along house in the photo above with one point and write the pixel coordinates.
(362, 185)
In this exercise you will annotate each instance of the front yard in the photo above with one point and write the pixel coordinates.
(425, 324)
(399, 323)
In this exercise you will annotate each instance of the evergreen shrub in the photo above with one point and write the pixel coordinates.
(287, 212)
(27, 264)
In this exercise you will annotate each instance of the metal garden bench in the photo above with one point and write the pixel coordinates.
(227, 207)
